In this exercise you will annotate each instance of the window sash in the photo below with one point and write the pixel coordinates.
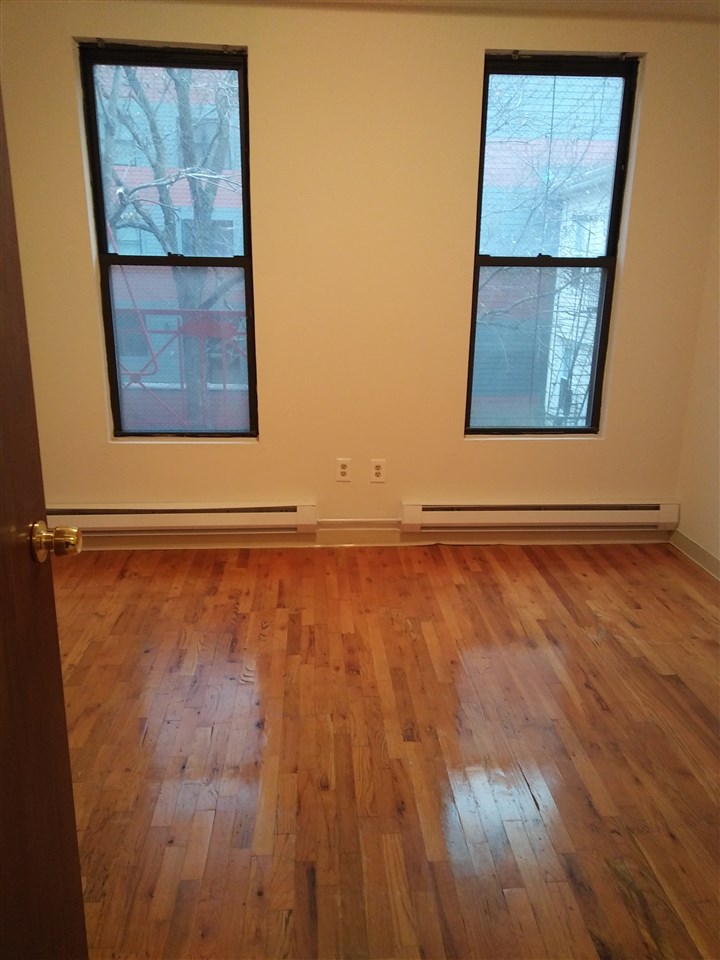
(517, 346)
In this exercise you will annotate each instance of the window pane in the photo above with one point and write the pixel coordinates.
(535, 344)
(181, 342)
(550, 156)
(170, 159)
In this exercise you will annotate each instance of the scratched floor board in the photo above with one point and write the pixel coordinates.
(477, 752)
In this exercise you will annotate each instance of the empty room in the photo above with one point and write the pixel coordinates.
(360, 445)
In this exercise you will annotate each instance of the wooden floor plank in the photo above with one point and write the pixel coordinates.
(477, 752)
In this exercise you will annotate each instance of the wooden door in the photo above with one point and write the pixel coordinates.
(41, 911)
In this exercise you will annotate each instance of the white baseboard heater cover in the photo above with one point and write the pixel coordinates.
(299, 518)
(417, 517)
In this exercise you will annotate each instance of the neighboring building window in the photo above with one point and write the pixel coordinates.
(555, 140)
(168, 144)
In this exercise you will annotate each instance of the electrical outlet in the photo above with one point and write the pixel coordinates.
(377, 471)
(342, 469)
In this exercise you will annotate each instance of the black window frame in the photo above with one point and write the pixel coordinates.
(99, 52)
(561, 65)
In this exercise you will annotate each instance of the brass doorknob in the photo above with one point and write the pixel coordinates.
(60, 541)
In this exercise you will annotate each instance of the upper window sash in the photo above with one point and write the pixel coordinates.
(580, 128)
(187, 144)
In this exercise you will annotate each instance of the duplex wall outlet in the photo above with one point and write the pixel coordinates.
(342, 469)
(377, 471)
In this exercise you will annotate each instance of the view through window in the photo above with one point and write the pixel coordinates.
(167, 132)
(553, 163)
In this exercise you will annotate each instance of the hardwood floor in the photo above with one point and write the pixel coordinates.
(415, 752)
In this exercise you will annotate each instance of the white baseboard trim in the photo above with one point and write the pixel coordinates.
(699, 555)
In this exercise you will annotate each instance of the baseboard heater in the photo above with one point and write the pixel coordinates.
(299, 518)
(417, 517)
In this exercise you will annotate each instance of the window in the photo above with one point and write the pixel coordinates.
(168, 146)
(554, 154)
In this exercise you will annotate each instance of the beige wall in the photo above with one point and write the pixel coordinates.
(364, 149)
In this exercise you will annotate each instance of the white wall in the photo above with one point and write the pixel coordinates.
(364, 137)
(699, 481)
